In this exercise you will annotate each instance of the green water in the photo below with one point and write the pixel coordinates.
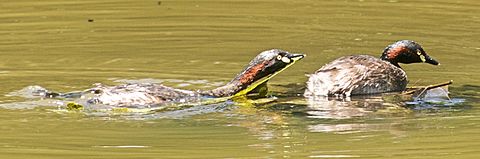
(69, 45)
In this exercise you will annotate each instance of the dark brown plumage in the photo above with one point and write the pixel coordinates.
(364, 74)
(263, 67)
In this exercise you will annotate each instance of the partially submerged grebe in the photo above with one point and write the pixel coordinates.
(263, 67)
(364, 74)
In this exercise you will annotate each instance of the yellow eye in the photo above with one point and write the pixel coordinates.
(279, 57)
(422, 57)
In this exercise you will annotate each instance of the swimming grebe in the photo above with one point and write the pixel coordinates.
(364, 74)
(263, 67)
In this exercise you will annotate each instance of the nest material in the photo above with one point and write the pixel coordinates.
(419, 91)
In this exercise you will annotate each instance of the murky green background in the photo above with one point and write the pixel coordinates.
(69, 45)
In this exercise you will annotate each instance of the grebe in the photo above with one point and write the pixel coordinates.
(364, 74)
(262, 68)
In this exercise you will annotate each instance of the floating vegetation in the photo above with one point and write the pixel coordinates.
(74, 106)
(425, 97)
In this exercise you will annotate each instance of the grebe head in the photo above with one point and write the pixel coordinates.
(271, 61)
(263, 67)
(406, 51)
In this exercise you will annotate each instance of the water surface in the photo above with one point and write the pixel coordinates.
(69, 45)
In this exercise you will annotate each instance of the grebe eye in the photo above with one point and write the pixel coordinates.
(279, 57)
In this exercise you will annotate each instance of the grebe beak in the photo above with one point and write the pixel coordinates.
(430, 60)
(296, 57)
